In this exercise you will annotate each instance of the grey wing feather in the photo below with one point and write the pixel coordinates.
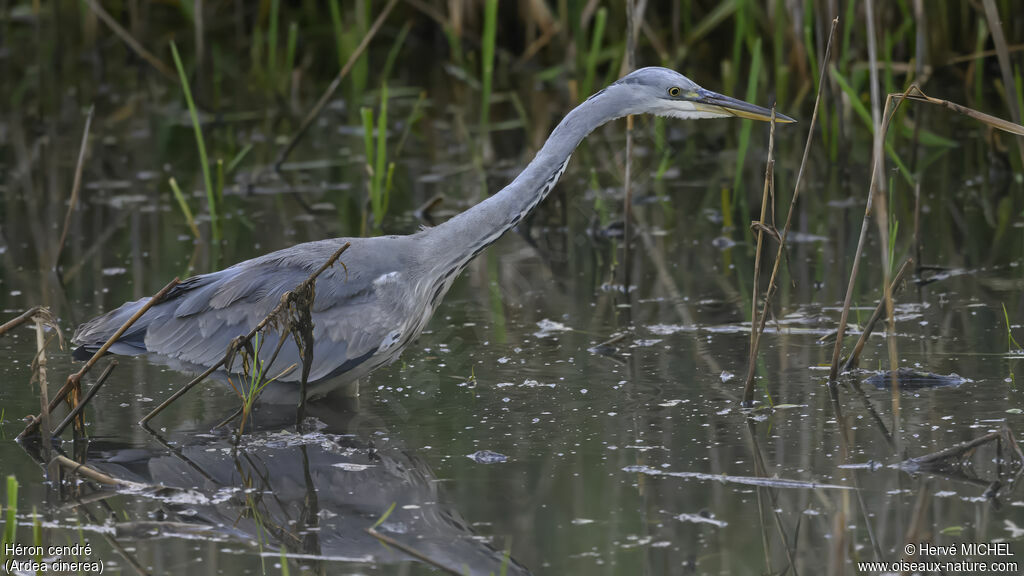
(352, 314)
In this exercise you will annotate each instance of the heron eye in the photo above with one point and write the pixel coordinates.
(673, 91)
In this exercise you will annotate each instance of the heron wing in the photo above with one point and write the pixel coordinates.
(352, 314)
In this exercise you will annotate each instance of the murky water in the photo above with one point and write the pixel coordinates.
(622, 457)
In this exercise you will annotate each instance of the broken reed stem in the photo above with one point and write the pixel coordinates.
(244, 340)
(915, 94)
(769, 176)
(132, 43)
(40, 377)
(872, 191)
(93, 474)
(748, 391)
(88, 396)
(76, 185)
(854, 358)
(882, 211)
(627, 208)
(959, 450)
(75, 379)
(21, 319)
(333, 87)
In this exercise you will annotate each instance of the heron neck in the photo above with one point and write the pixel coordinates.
(461, 238)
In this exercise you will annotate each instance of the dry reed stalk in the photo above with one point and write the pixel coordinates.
(915, 94)
(132, 43)
(93, 474)
(748, 391)
(20, 319)
(769, 184)
(628, 64)
(39, 375)
(872, 189)
(917, 519)
(882, 212)
(76, 185)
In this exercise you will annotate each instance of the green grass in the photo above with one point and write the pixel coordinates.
(185, 210)
(346, 39)
(289, 59)
(596, 37)
(284, 561)
(1011, 342)
(253, 382)
(11, 519)
(779, 54)
(233, 165)
(37, 535)
(380, 171)
(415, 114)
(740, 18)
(339, 32)
(200, 144)
(490, 38)
(384, 516)
(275, 18)
(395, 51)
(746, 126)
(863, 113)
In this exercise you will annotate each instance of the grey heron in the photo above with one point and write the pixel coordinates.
(365, 316)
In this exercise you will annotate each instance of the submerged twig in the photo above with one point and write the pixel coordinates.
(956, 452)
(243, 340)
(727, 479)
(388, 540)
(128, 557)
(74, 380)
(748, 391)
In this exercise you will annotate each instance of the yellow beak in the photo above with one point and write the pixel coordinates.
(721, 104)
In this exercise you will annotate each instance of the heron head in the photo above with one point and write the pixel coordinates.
(664, 92)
